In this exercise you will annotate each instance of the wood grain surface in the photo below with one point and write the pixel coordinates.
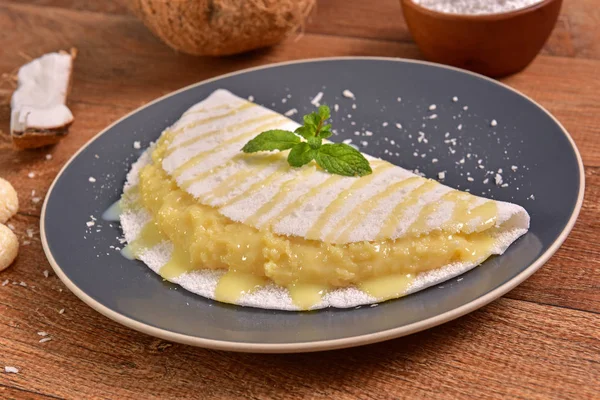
(541, 340)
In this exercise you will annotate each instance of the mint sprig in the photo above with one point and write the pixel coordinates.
(336, 158)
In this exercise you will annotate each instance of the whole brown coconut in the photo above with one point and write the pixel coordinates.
(221, 27)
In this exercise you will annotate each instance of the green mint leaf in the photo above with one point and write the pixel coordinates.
(306, 131)
(342, 159)
(324, 112)
(314, 142)
(301, 154)
(312, 119)
(275, 139)
(325, 134)
(325, 131)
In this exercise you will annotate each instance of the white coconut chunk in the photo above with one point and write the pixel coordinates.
(38, 104)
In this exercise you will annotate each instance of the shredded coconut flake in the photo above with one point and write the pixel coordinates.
(498, 179)
(11, 370)
(316, 100)
(348, 94)
(291, 112)
(137, 145)
(92, 179)
(475, 7)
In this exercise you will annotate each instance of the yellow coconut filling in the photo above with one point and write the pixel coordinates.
(203, 238)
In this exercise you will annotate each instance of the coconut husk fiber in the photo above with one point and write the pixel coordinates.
(221, 27)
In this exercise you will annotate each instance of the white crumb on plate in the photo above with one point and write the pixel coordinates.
(433, 116)
(442, 175)
(455, 99)
(364, 143)
(92, 179)
(470, 178)
(465, 108)
(384, 124)
(432, 107)
(514, 168)
(459, 127)
(291, 112)
(498, 179)
(398, 125)
(348, 94)
(316, 100)
(494, 122)
(368, 133)
(90, 223)
(250, 98)
(399, 99)
(347, 141)
(137, 145)
(434, 160)
(336, 107)
(354, 106)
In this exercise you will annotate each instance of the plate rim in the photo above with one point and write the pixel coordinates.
(320, 345)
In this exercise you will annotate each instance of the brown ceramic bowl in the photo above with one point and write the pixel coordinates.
(494, 45)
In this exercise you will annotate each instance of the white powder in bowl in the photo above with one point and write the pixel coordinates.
(475, 7)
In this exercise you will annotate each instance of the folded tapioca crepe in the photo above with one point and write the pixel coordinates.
(251, 230)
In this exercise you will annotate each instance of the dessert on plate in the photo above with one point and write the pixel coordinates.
(250, 229)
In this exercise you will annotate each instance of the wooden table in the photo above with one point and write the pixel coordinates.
(542, 340)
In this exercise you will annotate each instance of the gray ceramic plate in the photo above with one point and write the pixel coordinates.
(548, 182)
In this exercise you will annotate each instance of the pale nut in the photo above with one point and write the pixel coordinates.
(9, 246)
(9, 202)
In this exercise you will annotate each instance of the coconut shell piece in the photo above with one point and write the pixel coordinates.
(39, 116)
(221, 27)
